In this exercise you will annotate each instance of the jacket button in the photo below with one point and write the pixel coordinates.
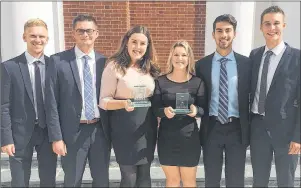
(78, 115)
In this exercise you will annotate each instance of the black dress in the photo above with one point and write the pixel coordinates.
(178, 138)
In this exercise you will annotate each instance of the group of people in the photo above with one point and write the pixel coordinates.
(78, 103)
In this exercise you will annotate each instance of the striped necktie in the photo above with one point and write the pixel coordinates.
(88, 90)
(223, 92)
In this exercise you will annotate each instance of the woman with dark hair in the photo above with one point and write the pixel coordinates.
(133, 129)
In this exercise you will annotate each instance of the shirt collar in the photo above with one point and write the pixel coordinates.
(80, 54)
(30, 59)
(218, 56)
(277, 49)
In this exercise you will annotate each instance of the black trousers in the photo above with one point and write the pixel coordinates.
(90, 144)
(135, 175)
(20, 163)
(262, 151)
(224, 138)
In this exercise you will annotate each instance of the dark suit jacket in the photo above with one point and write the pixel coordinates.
(17, 106)
(64, 98)
(203, 70)
(282, 107)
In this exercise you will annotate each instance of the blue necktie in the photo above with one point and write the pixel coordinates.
(223, 93)
(88, 90)
(263, 82)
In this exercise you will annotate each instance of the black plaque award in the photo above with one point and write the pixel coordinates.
(139, 99)
(182, 103)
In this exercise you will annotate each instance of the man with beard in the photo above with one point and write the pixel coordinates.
(275, 99)
(225, 124)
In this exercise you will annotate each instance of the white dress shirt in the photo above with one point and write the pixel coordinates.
(80, 65)
(274, 61)
(31, 67)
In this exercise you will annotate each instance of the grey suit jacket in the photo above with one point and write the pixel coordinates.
(282, 107)
(64, 99)
(17, 106)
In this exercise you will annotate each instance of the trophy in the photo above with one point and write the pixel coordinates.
(139, 99)
(182, 103)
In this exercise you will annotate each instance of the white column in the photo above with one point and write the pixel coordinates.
(243, 13)
(15, 14)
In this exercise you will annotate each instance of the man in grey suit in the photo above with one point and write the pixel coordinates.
(23, 126)
(275, 100)
(77, 127)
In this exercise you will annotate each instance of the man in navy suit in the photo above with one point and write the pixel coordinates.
(23, 126)
(77, 127)
(275, 103)
(225, 124)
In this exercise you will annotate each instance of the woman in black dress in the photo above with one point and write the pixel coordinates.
(133, 130)
(178, 139)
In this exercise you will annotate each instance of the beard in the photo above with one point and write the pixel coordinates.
(224, 46)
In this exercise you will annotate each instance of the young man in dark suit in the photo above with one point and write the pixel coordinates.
(275, 103)
(76, 126)
(225, 125)
(23, 126)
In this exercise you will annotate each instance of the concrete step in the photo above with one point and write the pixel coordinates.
(113, 163)
(157, 175)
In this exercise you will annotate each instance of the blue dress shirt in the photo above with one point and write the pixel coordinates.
(231, 67)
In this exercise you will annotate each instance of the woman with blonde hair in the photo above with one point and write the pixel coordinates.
(133, 129)
(178, 139)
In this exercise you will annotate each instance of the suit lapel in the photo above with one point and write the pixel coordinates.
(256, 61)
(285, 58)
(75, 71)
(99, 67)
(26, 77)
(240, 73)
(208, 75)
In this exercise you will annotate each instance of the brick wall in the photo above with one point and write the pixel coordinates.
(167, 21)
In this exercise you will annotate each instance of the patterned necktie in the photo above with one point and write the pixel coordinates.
(39, 95)
(263, 82)
(223, 92)
(88, 90)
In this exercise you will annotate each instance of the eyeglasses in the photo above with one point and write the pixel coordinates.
(82, 31)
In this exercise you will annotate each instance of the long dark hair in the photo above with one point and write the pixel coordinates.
(122, 59)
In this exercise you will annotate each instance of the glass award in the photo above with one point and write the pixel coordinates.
(182, 103)
(140, 99)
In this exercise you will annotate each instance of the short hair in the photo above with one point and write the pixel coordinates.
(188, 49)
(225, 18)
(35, 22)
(271, 9)
(83, 17)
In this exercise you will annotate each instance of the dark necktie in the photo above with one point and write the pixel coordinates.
(223, 92)
(39, 96)
(263, 82)
(88, 90)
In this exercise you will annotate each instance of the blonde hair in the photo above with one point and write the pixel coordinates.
(188, 49)
(35, 22)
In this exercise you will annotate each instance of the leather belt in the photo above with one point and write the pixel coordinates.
(230, 119)
(95, 120)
